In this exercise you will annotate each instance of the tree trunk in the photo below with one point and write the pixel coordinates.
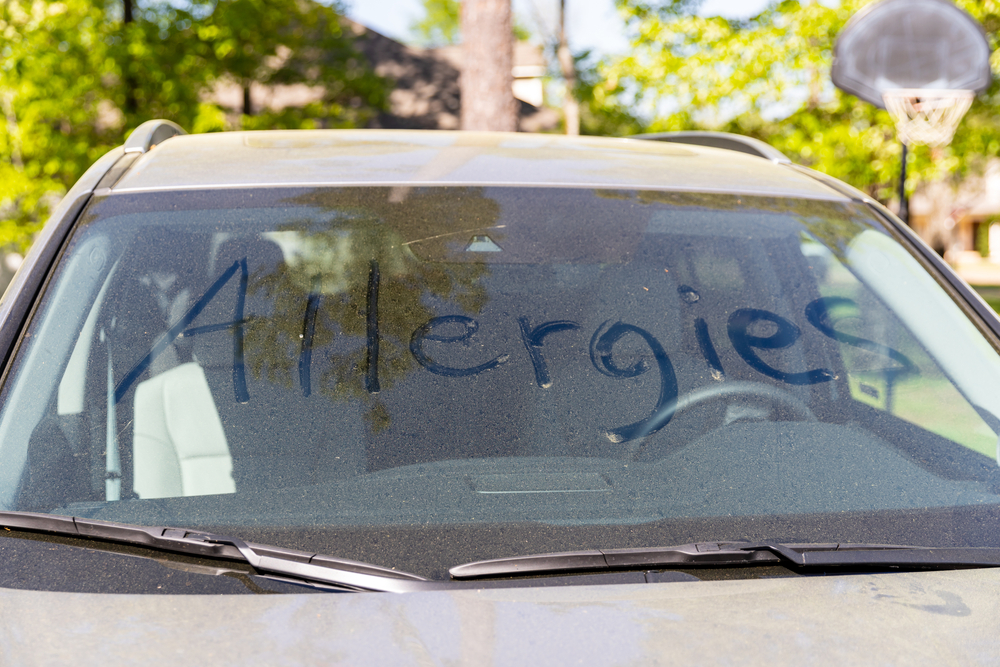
(247, 100)
(130, 104)
(571, 108)
(487, 60)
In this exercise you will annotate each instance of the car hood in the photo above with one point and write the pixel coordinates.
(932, 617)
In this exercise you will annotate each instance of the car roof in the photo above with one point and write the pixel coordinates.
(308, 158)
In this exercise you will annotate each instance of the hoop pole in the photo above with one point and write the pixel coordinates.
(904, 204)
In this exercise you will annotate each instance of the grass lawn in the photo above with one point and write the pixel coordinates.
(990, 294)
(932, 403)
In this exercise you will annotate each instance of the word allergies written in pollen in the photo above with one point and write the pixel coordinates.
(533, 338)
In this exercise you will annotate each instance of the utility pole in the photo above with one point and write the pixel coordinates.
(904, 203)
(487, 61)
(571, 108)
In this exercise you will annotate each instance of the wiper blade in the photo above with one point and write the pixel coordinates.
(733, 554)
(302, 565)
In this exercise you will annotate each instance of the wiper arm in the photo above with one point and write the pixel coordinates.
(734, 554)
(309, 567)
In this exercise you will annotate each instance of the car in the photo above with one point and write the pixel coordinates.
(403, 397)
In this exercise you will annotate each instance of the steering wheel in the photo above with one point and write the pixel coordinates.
(723, 390)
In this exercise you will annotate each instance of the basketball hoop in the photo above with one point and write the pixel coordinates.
(926, 116)
(923, 60)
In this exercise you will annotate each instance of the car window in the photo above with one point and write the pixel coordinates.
(419, 377)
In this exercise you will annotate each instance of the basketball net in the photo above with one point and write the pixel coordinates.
(927, 116)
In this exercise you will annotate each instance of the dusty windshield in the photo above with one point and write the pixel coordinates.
(422, 377)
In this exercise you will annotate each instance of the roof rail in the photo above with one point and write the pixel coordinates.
(726, 140)
(151, 133)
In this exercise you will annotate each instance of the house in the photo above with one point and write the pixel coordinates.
(425, 92)
(957, 221)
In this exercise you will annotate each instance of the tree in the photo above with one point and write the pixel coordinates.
(222, 41)
(53, 72)
(603, 109)
(768, 77)
(440, 24)
(487, 57)
(74, 80)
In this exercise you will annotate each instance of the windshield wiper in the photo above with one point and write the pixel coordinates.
(835, 556)
(266, 560)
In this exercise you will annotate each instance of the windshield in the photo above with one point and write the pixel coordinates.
(420, 377)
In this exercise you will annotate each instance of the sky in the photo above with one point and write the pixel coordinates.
(592, 24)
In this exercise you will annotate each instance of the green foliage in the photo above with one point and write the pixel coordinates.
(53, 64)
(74, 81)
(440, 24)
(521, 31)
(769, 77)
(602, 111)
(304, 43)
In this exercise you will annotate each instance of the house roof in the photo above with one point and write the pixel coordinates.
(425, 88)
(424, 85)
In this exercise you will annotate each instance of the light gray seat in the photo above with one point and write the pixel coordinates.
(179, 446)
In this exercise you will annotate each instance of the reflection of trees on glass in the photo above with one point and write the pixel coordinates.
(832, 223)
(355, 286)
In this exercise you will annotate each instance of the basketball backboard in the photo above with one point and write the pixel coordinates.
(910, 44)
